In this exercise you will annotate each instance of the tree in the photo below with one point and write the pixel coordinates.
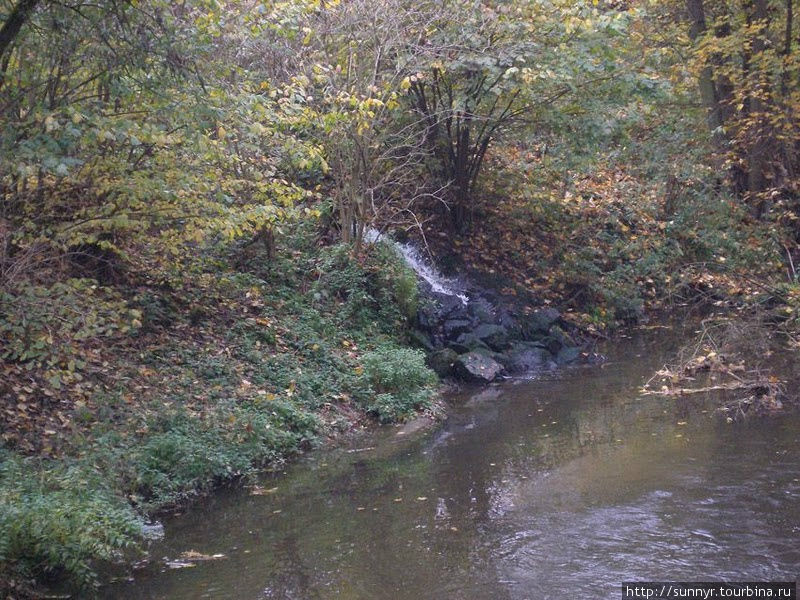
(500, 68)
(467, 90)
(749, 77)
(17, 17)
(363, 51)
(125, 121)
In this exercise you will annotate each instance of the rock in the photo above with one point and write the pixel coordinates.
(499, 357)
(494, 336)
(568, 355)
(562, 336)
(443, 361)
(507, 320)
(465, 348)
(553, 345)
(481, 310)
(539, 323)
(420, 339)
(476, 367)
(450, 307)
(454, 327)
(487, 336)
(467, 342)
(525, 357)
(559, 339)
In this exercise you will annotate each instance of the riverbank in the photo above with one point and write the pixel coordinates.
(558, 486)
(229, 374)
(270, 359)
(189, 191)
(303, 351)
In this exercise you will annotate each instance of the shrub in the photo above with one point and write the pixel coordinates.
(375, 287)
(186, 454)
(395, 408)
(399, 382)
(62, 520)
(397, 369)
(406, 291)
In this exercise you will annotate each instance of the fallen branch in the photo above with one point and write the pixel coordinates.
(742, 385)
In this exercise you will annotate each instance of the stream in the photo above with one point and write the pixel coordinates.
(560, 487)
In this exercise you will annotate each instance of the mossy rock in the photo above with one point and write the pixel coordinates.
(452, 328)
(568, 355)
(443, 361)
(525, 357)
(494, 336)
(538, 325)
(467, 342)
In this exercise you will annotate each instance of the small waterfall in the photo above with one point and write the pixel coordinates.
(485, 335)
(422, 267)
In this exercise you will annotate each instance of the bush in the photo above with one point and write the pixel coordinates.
(186, 454)
(62, 520)
(399, 382)
(397, 369)
(396, 408)
(375, 287)
(406, 292)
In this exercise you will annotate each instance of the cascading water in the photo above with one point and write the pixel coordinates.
(414, 259)
(480, 337)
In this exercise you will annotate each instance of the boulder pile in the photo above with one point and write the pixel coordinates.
(483, 339)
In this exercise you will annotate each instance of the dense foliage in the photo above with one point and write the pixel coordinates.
(188, 291)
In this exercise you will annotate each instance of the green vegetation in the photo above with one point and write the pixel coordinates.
(214, 402)
(400, 383)
(621, 194)
(187, 294)
(63, 517)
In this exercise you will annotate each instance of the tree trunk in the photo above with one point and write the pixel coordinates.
(708, 89)
(756, 105)
(18, 17)
(461, 179)
(787, 46)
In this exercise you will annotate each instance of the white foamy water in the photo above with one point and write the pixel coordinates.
(414, 259)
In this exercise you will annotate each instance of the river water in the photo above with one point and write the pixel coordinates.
(561, 487)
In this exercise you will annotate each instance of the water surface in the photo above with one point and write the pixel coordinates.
(554, 488)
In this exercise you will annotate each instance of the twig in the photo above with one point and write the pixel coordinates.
(793, 274)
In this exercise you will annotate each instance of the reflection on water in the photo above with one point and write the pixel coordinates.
(532, 489)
